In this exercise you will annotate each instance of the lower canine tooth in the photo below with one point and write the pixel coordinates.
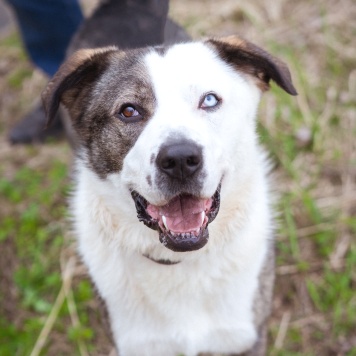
(202, 217)
(164, 221)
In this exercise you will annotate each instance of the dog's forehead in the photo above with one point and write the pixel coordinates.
(190, 64)
(192, 67)
(181, 56)
(126, 69)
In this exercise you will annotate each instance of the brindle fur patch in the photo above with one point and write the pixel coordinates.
(108, 139)
(93, 90)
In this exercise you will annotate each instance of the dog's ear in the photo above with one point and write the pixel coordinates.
(254, 61)
(75, 74)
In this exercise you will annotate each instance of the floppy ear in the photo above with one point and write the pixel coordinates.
(73, 78)
(254, 61)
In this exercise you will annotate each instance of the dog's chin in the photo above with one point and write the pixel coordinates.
(183, 222)
(186, 241)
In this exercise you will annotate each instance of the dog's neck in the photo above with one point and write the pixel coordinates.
(162, 261)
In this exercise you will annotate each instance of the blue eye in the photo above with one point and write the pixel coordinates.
(210, 100)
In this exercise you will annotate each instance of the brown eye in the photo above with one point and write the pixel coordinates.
(129, 113)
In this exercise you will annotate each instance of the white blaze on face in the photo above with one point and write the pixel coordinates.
(181, 78)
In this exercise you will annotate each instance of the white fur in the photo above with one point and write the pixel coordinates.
(204, 303)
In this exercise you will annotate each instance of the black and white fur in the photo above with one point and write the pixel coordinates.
(203, 97)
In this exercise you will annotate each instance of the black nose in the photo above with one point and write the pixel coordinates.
(180, 160)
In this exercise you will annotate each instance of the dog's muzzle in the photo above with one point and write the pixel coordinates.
(183, 222)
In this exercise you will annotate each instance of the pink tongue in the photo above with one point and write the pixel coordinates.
(183, 213)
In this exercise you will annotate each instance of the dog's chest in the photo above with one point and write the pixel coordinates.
(180, 303)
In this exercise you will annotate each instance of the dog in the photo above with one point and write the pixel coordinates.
(171, 204)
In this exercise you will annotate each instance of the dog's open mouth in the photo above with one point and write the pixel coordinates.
(183, 222)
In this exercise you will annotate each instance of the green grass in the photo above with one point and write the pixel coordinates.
(11, 45)
(34, 226)
(330, 290)
(16, 78)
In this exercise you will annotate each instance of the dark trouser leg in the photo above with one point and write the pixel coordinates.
(46, 27)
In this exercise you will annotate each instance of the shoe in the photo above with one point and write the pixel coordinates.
(32, 128)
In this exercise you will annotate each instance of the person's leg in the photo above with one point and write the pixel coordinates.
(47, 27)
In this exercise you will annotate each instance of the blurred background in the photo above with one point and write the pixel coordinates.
(47, 303)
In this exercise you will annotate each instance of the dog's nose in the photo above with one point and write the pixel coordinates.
(180, 160)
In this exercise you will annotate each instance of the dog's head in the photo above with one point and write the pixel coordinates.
(169, 125)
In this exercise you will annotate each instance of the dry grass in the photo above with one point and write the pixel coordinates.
(312, 142)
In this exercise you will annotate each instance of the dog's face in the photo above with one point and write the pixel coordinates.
(168, 125)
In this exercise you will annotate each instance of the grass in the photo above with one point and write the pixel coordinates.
(47, 304)
(35, 230)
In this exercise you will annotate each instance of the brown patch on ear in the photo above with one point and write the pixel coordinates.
(80, 70)
(254, 61)
(234, 41)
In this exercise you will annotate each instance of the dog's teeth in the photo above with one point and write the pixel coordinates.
(165, 222)
(202, 217)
